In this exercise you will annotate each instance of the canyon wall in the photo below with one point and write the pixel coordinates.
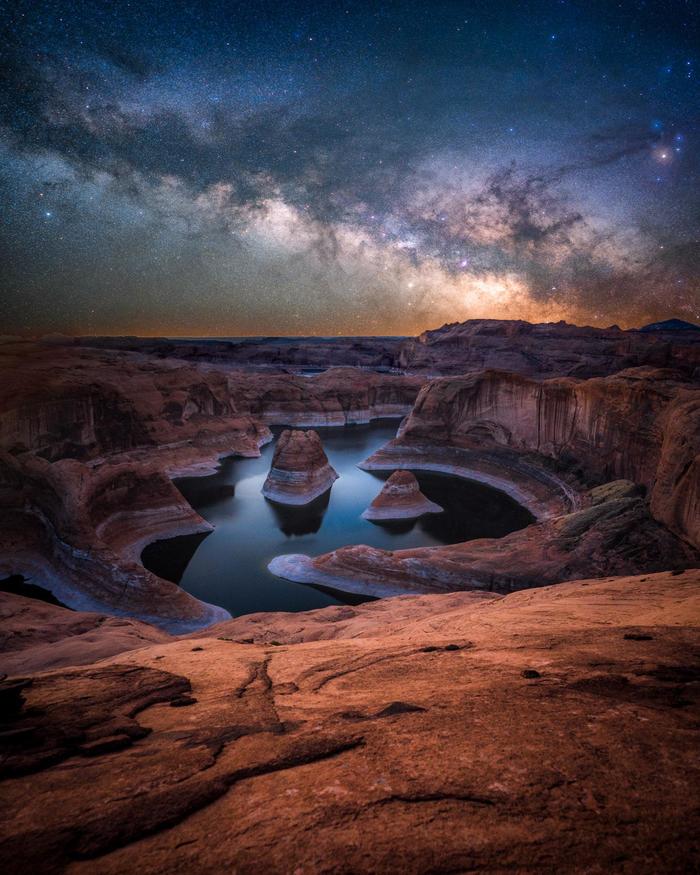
(83, 403)
(641, 424)
(77, 531)
(339, 396)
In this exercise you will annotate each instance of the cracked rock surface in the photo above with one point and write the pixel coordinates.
(549, 730)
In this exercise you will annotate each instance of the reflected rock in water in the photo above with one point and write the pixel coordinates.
(300, 519)
(395, 527)
(171, 556)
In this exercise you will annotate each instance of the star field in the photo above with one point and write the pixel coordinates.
(235, 168)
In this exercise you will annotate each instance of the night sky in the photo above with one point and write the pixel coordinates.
(360, 168)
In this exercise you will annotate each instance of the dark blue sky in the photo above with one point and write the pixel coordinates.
(235, 168)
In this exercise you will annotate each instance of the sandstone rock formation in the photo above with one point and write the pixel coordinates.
(90, 437)
(443, 734)
(77, 531)
(300, 469)
(400, 498)
(641, 424)
(89, 440)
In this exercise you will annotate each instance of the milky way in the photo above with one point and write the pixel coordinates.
(289, 168)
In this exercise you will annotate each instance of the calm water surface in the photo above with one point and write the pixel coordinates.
(228, 566)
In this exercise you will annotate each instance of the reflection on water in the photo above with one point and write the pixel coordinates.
(228, 566)
(301, 520)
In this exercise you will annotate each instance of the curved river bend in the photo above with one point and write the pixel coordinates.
(228, 567)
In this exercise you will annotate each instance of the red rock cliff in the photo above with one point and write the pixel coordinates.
(640, 424)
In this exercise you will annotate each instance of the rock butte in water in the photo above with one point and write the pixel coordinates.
(300, 469)
(400, 498)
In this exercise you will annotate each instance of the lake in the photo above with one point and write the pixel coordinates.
(228, 566)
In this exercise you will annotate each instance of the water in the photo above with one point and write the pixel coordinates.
(228, 566)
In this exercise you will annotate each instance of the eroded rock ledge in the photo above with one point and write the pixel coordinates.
(542, 442)
(640, 424)
(613, 534)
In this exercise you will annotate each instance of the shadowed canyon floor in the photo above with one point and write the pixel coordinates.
(536, 732)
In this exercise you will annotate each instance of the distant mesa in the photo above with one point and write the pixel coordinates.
(672, 325)
(300, 469)
(400, 499)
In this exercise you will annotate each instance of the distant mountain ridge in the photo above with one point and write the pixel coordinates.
(671, 325)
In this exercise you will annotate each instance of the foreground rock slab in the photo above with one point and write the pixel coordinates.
(300, 469)
(464, 732)
(400, 499)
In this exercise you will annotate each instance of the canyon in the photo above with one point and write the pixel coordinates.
(557, 435)
(553, 667)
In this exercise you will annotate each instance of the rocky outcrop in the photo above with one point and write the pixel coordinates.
(78, 532)
(36, 636)
(400, 498)
(615, 535)
(547, 350)
(300, 469)
(443, 733)
(641, 424)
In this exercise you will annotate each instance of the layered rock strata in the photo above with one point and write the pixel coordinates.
(339, 396)
(526, 477)
(300, 469)
(89, 440)
(400, 498)
(447, 733)
(78, 531)
(92, 437)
